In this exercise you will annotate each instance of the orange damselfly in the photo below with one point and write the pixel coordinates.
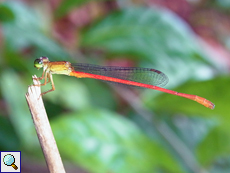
(132, 76)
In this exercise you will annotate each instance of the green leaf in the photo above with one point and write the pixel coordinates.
(156, 37)
(69, 92)
(13, 91)
(101, 141)
(6, 13)
(8, 138)
(25, 31)
(192, 130)
(101, 94)
(217, 142)
(214, 146)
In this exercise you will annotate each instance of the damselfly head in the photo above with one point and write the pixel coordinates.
(39, 63)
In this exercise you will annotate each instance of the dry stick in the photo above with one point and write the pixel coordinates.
(43, 129)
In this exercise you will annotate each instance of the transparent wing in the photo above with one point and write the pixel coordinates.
(136, 74)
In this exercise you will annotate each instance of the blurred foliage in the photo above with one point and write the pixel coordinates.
(86, 115)
(223, 3)
(68, 5)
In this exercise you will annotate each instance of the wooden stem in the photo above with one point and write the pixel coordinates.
(43, 129)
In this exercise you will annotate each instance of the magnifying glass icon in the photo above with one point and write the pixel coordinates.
(9, 160)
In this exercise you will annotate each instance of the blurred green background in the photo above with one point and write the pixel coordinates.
(102, 129)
